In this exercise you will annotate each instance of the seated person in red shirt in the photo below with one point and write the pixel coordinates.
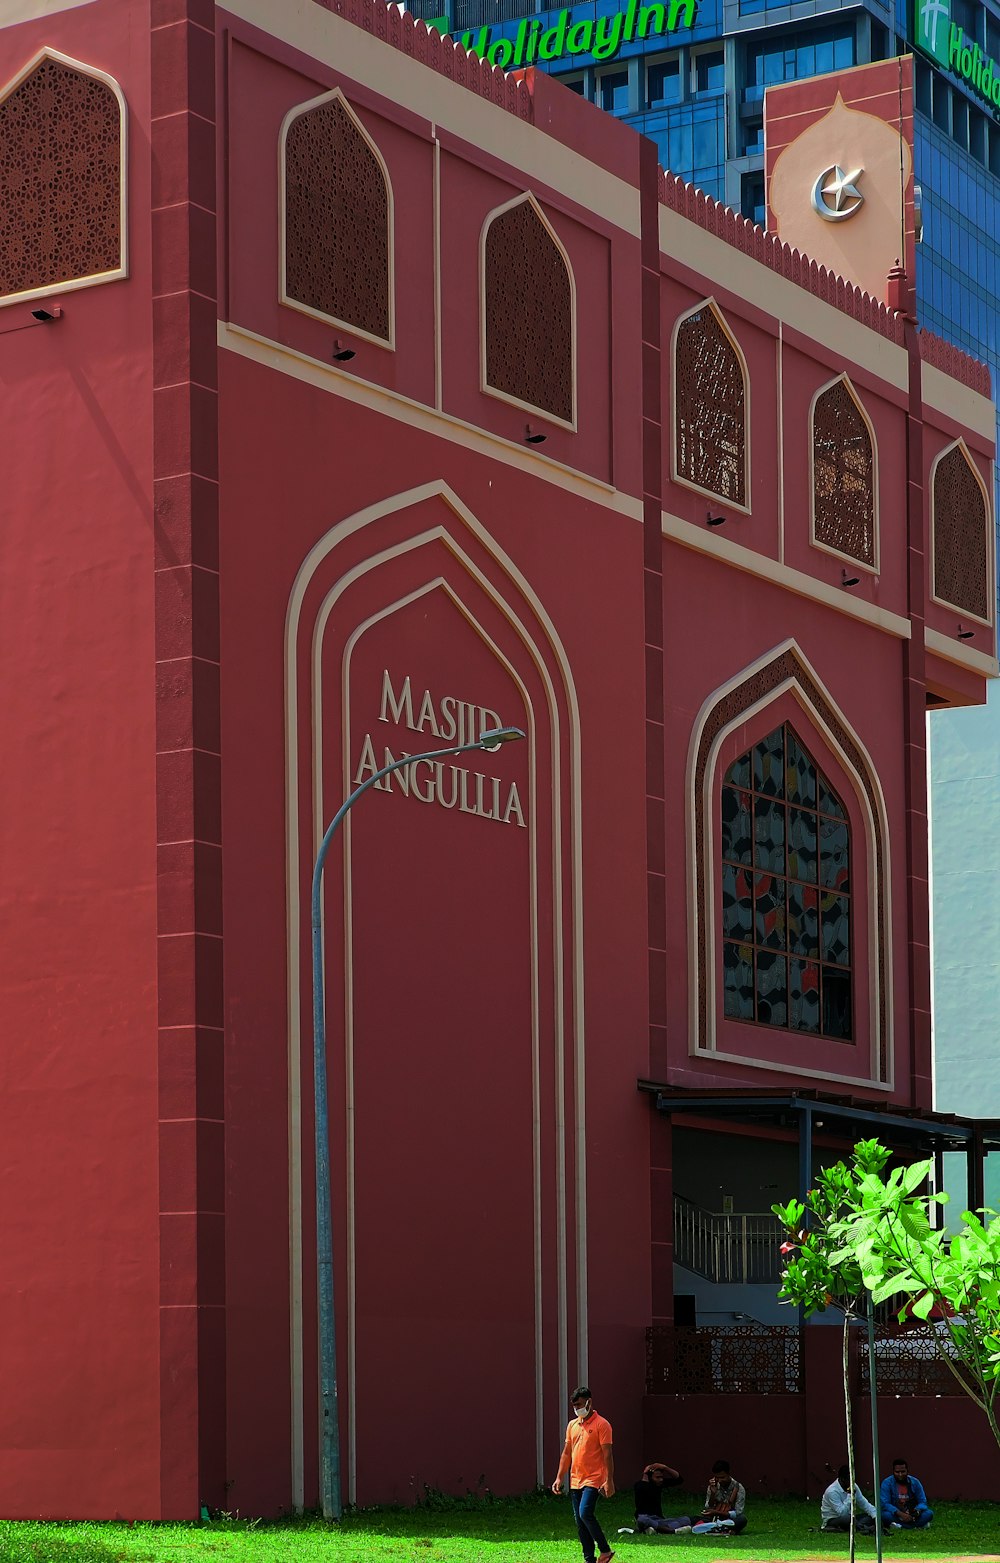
(649, 1499)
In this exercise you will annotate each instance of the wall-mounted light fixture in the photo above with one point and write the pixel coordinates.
(15, 321)
(964, 634)
(711, 520)
(342, 354)
(534, 436)
(848, 580)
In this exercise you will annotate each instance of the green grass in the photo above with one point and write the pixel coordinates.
(537, 1529)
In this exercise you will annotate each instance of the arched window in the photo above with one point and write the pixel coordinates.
(961, 535)
(710, 398)
(786, 892)
(843, 475)
(528, 312)
(337, 222)
(61, 184)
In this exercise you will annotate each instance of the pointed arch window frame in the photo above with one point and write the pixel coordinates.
(827, 548)
(94, 279)
(335, 94)
(737, 703)
(676, 476)
(942, 602)
(570, 425)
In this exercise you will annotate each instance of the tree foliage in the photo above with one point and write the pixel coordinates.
(864, 1231)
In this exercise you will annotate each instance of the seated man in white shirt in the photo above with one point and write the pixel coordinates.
(835, 1510)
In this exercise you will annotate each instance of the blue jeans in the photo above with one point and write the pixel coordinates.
(591, 1535)
(920, 1516)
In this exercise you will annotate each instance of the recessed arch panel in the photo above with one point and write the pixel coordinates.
(435, 560)
(745, 700)
(335, 219)
(528, 312)
(62, 179)
(710, 385)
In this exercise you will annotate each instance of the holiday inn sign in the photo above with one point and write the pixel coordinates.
(948, 45)
(600, 37)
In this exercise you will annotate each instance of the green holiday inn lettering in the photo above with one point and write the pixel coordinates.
(945, 42)
(602, 37)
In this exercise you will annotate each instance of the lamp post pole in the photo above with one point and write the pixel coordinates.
(873, 1390)
(330, 1486)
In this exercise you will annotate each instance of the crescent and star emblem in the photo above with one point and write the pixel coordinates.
(835, 195)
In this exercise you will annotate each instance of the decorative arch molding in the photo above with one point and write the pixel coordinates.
(298, 111)
(856, 557)
(307, 621)
(988, 540)
(104, 273)
(785, 670)
(709, 303)
(567, 417)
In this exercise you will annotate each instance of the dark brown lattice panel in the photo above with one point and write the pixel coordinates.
(909, 1363)
(709, 415)
(60, 179)
(961, 548)
(529, 313)
(336, 220)
(843, 476)
(759, 1359)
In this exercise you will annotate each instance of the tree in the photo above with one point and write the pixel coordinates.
(822, 1271)
(888, 1236)
(875, 1234)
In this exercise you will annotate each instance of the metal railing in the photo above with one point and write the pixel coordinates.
(732, 1249)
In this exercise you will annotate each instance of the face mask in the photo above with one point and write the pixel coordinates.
(583, 1412)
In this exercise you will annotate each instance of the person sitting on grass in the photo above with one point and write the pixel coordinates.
(903, 1500)
(835, 1509)
(725, 1502)
(649, 1499)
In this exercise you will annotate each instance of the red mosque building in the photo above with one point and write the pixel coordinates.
(356, 394)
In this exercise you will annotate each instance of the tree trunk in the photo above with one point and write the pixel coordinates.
(849, 1420)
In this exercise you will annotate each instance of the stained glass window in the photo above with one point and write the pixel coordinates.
(786, 892)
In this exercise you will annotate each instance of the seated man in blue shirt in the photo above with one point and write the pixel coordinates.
(903, 1500)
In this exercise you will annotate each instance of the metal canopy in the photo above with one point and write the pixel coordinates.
(808, 1108)
(942, 1130)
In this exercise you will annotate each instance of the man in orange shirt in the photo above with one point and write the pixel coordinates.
(588, 1458)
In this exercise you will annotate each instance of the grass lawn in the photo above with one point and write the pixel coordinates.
(529, 1530)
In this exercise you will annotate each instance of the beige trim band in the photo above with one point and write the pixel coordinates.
(541, 158)
(739, 275)
(961, 653)
(327, 377)
(957, 401)
(17, 11)
(768, 569)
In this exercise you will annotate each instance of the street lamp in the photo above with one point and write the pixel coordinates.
(330, 1423)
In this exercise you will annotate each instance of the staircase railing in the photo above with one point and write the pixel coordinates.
(742, 1247)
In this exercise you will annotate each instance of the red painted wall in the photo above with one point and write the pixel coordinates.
(79, 1431)
(231, 550)
(795, 1444)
